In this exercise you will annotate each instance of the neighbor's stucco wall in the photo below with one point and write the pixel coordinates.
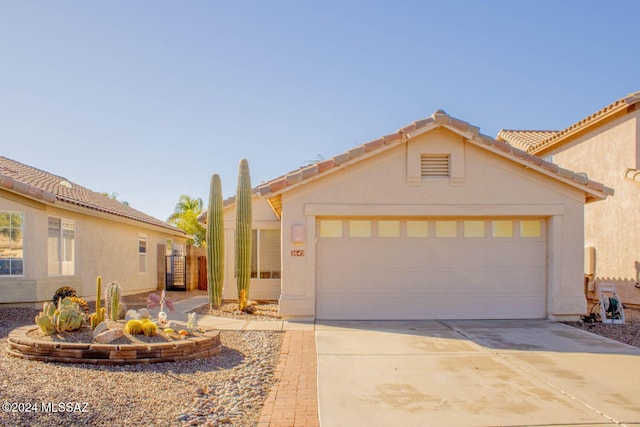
(488, 186)
(102, 247)
(611, 226)
(262, 218)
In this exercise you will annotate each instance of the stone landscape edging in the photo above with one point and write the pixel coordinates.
(190, 348)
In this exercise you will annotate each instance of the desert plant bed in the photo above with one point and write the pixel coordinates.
(78, 347)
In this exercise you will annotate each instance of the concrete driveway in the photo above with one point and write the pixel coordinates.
(473, 373)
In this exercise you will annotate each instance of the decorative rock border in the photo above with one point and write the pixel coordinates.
(191, 348)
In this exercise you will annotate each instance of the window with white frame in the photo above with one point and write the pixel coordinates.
(61, 243)
(11, 243)
(142, 254)
(265, 254)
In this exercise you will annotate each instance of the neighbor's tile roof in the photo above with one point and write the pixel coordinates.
(524, 139)
(437, 119)
(620, 106)
(52, 188)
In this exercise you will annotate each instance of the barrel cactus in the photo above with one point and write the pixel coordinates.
(243, 234)
(215, 242)
(150, 329)
(133, 327)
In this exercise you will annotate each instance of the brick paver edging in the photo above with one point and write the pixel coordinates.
(293, 399)
(193, 347)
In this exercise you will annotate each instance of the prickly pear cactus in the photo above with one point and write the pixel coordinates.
(82, 303)
(68, 316)
(44, 319)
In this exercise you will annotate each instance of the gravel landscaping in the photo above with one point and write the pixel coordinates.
(225, 390)
(629, 333)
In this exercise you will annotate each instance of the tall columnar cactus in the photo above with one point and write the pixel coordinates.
(97, 317)
(215, 242)
(112, 300)
(243, 234)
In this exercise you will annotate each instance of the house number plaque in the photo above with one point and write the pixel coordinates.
(297, 252)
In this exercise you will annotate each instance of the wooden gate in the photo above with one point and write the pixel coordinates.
(202, 273)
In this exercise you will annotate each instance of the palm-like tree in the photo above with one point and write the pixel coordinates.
(185, 217)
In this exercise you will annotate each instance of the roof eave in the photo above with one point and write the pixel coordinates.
(611, 112)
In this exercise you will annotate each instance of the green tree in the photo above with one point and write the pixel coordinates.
(185, 217)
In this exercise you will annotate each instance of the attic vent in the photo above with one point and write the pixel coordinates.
(66, 183)
(434, 165)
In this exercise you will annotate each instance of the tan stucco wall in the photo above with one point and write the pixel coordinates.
(487, 186)
(611, 226)
(102, 247)
(262, 218)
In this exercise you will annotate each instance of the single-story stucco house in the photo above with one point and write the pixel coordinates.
(606, 146)
(435, 221)
(54, 232)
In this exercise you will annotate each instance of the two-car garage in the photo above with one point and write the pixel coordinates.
(430, 268)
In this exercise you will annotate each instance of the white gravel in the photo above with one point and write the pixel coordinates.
(227, 389)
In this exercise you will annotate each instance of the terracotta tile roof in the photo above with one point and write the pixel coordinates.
(39, 184)
(524, 139)
(620, 106)
(437, 119)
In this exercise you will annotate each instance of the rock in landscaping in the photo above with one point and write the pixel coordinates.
(109, 336)
(102, 326)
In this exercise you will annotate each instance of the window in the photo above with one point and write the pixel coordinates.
(169, 249)
(530, 229)
(330, 228)
(502, 228)
(388, 228)
(417, 229)
(434, 165)
(474, 229)
(142, 254)
(359, 228)
(11, 243)
(446, 229)
(61, 247)
(265, 254)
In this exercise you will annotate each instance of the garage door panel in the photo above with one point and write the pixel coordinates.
(532, 255)
(403, 277)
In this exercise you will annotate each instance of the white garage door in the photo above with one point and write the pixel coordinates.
(430, 268)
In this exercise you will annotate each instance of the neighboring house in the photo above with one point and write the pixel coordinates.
(435, 221)
(606, 147)
(55, 233)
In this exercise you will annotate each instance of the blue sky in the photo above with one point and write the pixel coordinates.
(149, 98)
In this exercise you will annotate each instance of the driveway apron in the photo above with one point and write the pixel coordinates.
(473, 373)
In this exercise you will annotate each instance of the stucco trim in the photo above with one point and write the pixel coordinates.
(632, 174)
(520, 210)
